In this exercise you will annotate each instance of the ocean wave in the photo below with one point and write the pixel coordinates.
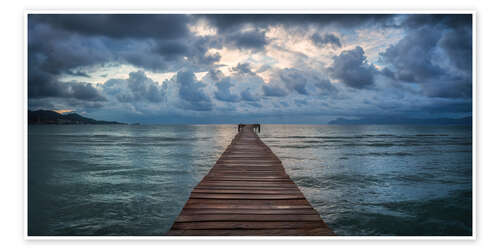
(333, 181)
(368, 144)
(430, 135)
(380, 154)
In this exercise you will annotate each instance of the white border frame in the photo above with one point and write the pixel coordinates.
(187, 238)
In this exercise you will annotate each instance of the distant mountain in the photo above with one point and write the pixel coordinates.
(51, 117)
(397, 120)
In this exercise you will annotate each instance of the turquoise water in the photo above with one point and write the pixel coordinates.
(363, 180)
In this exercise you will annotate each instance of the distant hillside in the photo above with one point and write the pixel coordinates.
(51, 117)
(394, 120)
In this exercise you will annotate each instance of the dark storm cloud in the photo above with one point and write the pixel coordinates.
(431, 63)
(68, 44)
(458, 46)
(322, 40)
(62, 43)
(171, 55)
(229, 22)
(254, 40)
(198, 51)
(445, 20)
(352, 69)
(436, 53)
(118, 25)
(223, 92)
(448, 88)
(172, 49)
(48, 58)
(151, 62)
(273, 91)
(54, 51)
(43, 85)
(191, 91)
(137, 88)
(294, 80)
(84, 91)
(412, 56)
(77, 73)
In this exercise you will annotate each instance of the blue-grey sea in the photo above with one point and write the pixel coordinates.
(363, 180)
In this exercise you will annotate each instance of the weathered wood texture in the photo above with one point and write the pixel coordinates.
(246, 193)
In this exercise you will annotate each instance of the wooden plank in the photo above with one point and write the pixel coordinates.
(249, 232)
(248, 192)
(249, 161)
(248, 225)
(247, 217)
(212, 181)
(253, 164)
(246, 187)
(249, 168)
(246, 206)
(247, 157)
(250, 202)
(245, 191)
(246, 178)
(247, 196)
(248, 211)
(245, 173)
(248, 183)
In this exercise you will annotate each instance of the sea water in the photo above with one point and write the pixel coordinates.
(363, 180)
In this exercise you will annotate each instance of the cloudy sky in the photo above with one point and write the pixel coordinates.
(251, 68)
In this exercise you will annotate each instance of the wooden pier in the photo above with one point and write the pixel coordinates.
(248, 193)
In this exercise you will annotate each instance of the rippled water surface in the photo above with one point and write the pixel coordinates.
(363, 180)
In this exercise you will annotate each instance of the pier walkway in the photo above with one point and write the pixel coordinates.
(248, 193)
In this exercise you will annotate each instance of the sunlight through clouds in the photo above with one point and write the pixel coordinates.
(305, 65)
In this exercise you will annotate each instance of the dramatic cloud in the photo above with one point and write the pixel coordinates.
(253, 40)
(352, 69)
(137, 88)
(412, 56)
(457, 44)
(322, 40)
(54, 88)
(219, 68)
(436, 53)
(325, 86)
(443, 20)
(192, 93)
(228, 22)
(223, 92)
(120, 25)
(294, 80)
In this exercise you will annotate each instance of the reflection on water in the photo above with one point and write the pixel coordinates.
(364, 180)
(382, 180)
(116, 180)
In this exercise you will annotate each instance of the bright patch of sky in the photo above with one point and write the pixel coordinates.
(209, 68)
